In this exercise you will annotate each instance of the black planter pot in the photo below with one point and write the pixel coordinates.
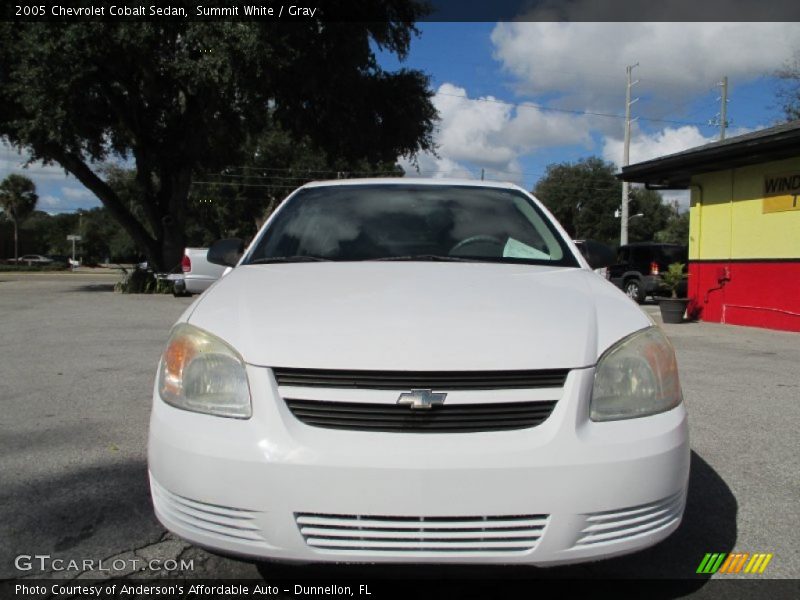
(673, 309)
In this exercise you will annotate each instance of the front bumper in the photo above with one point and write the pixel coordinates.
(565, 491)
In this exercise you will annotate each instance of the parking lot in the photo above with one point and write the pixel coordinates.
(76, 373)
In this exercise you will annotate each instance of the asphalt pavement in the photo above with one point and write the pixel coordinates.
(77, 363)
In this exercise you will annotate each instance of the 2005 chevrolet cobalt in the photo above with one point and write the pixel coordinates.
(416, 371)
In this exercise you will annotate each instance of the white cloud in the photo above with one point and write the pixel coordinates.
(647, 146)
(49, 203)
(12, 161)
(489, 134)
(661, 143)
(583, 64)
(75, 193)
(428, 165)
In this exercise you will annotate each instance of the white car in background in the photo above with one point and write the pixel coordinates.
(408, 370)
(33, 259)
(198, 273)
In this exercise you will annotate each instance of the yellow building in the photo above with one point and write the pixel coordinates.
(744, 232)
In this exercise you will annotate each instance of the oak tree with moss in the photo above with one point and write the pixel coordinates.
(175, 98)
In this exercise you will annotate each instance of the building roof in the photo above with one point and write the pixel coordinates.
(676, 170)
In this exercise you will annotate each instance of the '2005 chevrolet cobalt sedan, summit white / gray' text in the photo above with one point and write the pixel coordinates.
(409, 370)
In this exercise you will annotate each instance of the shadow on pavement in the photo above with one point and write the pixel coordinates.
(709, 525)
(88, 511)
(95, 287)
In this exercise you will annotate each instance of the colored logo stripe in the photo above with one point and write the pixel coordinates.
(711, 563)
(733, 563)
(758, 563)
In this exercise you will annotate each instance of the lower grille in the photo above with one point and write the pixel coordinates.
(619, 525)
(350, 533)
(455, 418)
(207, 519)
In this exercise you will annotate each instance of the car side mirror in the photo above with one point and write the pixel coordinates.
(226, 252)
(598, 255)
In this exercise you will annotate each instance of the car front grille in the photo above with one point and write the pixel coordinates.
(440, 535)
(435, 380)
(455, 418)
(620, 525)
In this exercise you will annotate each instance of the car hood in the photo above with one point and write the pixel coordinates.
(416, 315)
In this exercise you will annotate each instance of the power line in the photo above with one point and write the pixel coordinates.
(570, 111)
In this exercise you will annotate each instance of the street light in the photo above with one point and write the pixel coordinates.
(617, 215)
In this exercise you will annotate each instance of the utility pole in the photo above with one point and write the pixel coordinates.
(481, 174)
(623, 232)
(723, 111)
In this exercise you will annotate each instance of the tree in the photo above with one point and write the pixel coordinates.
(655, 214)
(237, 201)
(676, 230)
(583, 197)
(789, 91)
(18, 199)
(176, 98)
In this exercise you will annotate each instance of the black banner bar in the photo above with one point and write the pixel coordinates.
(403, 10)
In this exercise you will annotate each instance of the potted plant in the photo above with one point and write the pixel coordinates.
(673, 307)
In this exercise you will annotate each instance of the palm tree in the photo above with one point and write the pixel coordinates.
(18, 199)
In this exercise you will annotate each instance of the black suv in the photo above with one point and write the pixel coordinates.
(638, 267)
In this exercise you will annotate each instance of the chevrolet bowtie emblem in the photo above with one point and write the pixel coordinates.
(421, 399)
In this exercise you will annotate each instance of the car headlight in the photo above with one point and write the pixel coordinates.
(201, 373)
(636, 377)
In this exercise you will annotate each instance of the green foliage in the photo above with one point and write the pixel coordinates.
(48, 267)
(655, 215)
(103, 237)
(583, 197)
(142, 281)
(18, 199)
(676, 230)
(673, 277)
(183, 98)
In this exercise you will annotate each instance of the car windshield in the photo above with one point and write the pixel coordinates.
(411, 222)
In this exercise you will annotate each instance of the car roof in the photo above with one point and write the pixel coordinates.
(425, 181)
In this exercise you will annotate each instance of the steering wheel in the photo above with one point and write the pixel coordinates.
(476, 239)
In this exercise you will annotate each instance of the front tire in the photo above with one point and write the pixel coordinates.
(633, 289)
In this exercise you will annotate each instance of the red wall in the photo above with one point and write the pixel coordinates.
(755, 293)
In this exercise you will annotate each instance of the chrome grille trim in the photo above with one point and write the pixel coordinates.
(614, 526)
(353, 533)
(208, 519)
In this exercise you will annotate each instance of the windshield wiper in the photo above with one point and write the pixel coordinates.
(286, 259)
(427, 257)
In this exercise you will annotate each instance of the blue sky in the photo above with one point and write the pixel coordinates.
(515, 97)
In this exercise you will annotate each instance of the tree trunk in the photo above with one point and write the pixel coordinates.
(171, 248)
(16, 244)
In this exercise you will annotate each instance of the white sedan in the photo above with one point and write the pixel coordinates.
(33, 259)
(408, 370)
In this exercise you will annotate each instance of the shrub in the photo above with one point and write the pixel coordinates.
(142, 281)
(673, 277)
